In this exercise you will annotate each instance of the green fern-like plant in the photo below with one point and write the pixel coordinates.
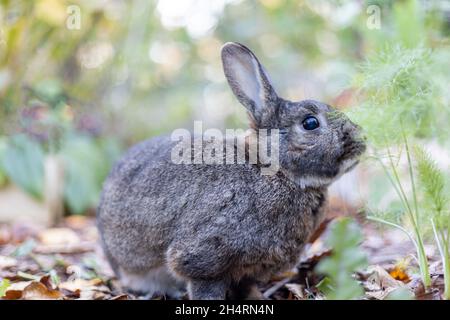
(435, 202)
(403, 101)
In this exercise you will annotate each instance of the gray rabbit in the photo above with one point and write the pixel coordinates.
(221, 228)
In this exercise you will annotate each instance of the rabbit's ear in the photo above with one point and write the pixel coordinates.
(248, 80)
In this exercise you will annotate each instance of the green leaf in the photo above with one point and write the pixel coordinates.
(4, 284)
(54, 277)
(86, 167)
(50, 91)
(25, 248)
(23, 162)
(347, 257)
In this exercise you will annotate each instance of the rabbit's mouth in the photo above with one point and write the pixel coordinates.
(352, 151)
(349, 165)
(350, 157)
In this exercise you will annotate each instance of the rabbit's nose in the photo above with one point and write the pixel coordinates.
(353, 130)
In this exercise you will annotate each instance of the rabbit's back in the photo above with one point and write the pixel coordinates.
(150, 203)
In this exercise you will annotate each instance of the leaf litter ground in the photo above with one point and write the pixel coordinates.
(67, 262)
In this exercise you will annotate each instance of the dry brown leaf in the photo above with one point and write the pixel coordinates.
(87, 289)
(38, 291)
(416, 286)
(80, 284)
(12, 295)
(70, 294)
(47, 282)
(32, 290)
(380, 278)
(58, 237)
(379, 283)
(92, 295)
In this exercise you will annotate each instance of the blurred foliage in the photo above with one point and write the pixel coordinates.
(405, 92)
(140, 68)
(344, 238)
(22, 162)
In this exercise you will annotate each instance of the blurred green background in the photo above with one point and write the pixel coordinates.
(85, 79)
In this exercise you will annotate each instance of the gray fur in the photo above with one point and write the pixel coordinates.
(220, 228)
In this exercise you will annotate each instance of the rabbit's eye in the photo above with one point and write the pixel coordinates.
(310, 123)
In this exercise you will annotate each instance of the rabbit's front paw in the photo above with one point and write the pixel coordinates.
(245, 289)
(207, 289)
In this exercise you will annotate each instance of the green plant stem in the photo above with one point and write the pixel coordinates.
(446, 262)
(376, 219)
(423, 261)
(446, 265)
(411, 175)
(442, 244)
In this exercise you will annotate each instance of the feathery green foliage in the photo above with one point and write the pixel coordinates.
(432, 183)
(401, 93)
(435, 199)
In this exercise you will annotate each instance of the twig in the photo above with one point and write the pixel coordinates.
(269, 292)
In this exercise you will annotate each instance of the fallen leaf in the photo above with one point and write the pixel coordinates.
(14, 290)
(70, 294)
(12, 295)
(38, 291)
(58, 237)
(380, 283)
(80, 284)
(47, 282)
(27, 276)
(92, 295)
(7, 262)
(93, 289)
(19, 286)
